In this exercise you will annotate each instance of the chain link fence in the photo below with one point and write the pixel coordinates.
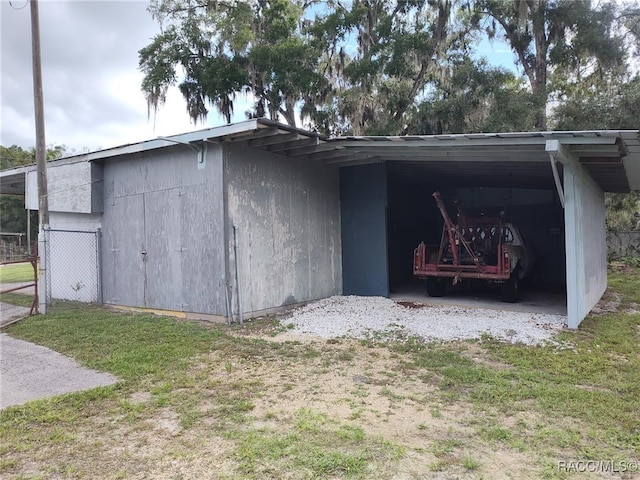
(73, 265)
(14, 247)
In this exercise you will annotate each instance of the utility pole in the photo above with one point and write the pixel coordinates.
(41, 154)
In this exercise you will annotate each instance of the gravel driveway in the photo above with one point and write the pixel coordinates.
(360, 317)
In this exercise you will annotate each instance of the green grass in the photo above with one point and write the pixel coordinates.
(130, 346)
(573, 399)
(315, 445)
(157, 355)
(18, 272)
(19, 299)
(592, 387)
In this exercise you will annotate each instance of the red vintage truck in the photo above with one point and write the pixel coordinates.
(481, 248)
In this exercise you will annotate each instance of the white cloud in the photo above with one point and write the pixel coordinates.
(90, 75)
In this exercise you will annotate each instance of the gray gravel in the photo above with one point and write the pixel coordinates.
(362, 317)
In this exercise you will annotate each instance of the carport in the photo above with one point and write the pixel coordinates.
(551, 184)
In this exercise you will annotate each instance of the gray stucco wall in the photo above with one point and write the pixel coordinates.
(287, 214)
(162, 244)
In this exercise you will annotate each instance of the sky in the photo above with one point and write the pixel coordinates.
(91, 81)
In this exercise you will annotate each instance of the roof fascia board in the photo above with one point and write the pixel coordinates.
(438, 154)
(461, 141)
(208, 135)
(260, 133)
(254, 129)
(17, 170)
(563, 155)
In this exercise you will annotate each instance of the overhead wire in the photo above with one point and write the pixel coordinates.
(19, 8)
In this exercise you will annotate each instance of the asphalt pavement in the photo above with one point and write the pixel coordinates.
(30, 372)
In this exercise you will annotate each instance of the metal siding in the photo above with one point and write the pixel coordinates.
(73, 188)
(585, 246)
(162, 244)
(161, 203)
(202, 253)
(123, 273)
(363, 192)
(287, 216)
(594, 233)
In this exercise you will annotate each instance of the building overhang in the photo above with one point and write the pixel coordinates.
(610, 157)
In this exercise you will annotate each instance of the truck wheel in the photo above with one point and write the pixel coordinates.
(510, 288)
(435, 287)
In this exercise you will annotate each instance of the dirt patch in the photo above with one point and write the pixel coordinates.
(632, 309)
(609, 303)
(199, 425)
(348, 383)
(408, 304)
(481, 356)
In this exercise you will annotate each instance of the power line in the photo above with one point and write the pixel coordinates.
(19, 8)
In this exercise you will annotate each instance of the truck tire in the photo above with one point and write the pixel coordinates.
(435, 287)
(510, 288)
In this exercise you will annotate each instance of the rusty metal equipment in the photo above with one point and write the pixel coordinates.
(480, 248)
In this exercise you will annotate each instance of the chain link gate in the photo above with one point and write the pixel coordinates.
(73, 265)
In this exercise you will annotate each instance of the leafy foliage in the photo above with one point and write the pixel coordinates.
(386, 66)
(556, 42)
(475, 98)
(13, 217)
(614, 107)
(284, 54)
(623, 211)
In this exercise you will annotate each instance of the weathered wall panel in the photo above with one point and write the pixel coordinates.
(163, 267)
(75, 221)
(123, 276)
(287, 214)
(203, 252)
(586, 246)
(73, 187)
(163, 231)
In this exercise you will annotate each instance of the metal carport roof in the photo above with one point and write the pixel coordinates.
(611, 157)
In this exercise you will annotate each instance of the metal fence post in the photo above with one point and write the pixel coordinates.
(42, 271)
(99, 264)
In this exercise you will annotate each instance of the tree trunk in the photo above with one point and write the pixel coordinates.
(539, 85)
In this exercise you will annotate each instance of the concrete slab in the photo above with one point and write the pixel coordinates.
(532, 301)
(31, 372)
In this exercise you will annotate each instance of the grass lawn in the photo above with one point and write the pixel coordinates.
(211, 401)
(16, 272)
